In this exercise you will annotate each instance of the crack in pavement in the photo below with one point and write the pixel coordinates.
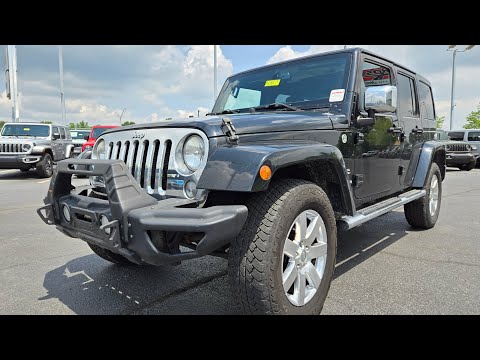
(164, 297)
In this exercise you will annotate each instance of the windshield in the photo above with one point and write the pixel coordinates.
(305, 84)
(26, 130)
(79, 134)
(98, 131)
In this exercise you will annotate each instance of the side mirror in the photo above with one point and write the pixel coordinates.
(381, 98)
(86, 137)
(56, 136)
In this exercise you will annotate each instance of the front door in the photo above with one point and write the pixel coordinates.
(56, 144)
(376, 158)
(413, 130)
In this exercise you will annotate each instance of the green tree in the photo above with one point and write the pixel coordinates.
(2, 123)
(440, 121)
(473, 119)
(71, 126)
(126, 123)
(46, 122)
(82, 125)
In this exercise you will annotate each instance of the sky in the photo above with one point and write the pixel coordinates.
(161, 81)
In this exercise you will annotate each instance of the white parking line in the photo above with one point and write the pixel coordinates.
(43, 181)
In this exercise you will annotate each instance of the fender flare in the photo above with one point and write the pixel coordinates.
(69, 150)
(236, 168)
(431, 151)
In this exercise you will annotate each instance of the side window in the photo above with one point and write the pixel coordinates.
(456, 135)
(474, 136)
(373, 75)
(69, 136)
(426, 101)
(62, 133)
(54, 130)
(405, 96)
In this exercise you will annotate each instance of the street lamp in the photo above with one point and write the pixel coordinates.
(450, 47)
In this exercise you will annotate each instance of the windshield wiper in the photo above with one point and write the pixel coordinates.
(277, 106)
(226, 111)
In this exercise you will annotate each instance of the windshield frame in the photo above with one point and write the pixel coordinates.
(10, 125)
(316, 103)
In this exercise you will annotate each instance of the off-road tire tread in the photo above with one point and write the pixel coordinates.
(248, 252)
(110, 256)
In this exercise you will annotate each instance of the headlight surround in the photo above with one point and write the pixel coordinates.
(448, 147)
(469, 148)
(193, 152)
(98, 151)
(26, 147)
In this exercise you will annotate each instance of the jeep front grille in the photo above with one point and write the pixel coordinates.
(457, 147)
(150, 156)
(12, 148)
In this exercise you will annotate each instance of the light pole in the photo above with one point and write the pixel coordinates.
(452, 98)
(62, 94)
(121, 115)
(214, 73)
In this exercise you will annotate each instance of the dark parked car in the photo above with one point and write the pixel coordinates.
(471, 136)
(266, 180)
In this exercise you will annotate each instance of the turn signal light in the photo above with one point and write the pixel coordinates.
(265, 172)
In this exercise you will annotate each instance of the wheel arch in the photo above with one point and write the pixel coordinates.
(432, 152)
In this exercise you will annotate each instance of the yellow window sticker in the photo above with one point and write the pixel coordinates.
(26, 129)
(275, 82)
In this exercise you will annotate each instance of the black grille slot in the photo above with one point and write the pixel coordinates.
(127, 146)
(156, 144)
(117, 155)
(110, 149)
(168, 148)
(135, 153)
(144, 161)
(457, 147)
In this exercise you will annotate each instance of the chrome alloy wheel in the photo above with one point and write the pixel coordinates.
(304, 257)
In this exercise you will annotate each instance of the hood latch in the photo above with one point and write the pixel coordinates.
(229, 129)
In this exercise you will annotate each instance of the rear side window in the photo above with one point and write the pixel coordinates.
(54, 130)
(69, 136)
(456, 135)
(426, 101)
(62, 133)
(406, 96)
(474, 136)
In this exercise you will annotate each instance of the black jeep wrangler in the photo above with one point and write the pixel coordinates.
(291, 153)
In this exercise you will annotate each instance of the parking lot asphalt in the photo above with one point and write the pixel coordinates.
(383, 266)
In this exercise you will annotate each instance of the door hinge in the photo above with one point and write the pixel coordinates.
(357, 180)
(229, 129)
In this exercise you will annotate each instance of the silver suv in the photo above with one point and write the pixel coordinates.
(32, 145)
(472, 136)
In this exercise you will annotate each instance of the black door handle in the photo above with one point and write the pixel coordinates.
(395, 130)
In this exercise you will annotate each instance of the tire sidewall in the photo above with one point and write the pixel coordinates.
(42, 166)
(294, 205)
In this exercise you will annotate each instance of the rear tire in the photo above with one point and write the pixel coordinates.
(265, 278)
(423, 213)
(110, 256)
(45, 166)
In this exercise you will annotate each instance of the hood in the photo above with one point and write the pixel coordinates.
(246, 123)
(22, 139)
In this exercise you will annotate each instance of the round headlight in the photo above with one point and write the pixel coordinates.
(448, 147)
(193, 152)
(26, 147)
(469, 147)
(99, 150)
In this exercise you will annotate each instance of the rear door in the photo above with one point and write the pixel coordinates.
(63, 143)
(56, 144)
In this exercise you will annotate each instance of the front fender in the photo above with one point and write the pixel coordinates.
(69, 151)
(431, 151)
(236, 168)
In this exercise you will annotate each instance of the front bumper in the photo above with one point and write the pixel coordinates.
(453, 159)
(18, 161)
(133, 215)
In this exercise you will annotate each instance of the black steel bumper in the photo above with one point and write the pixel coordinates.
(453, 159)
(133, 214)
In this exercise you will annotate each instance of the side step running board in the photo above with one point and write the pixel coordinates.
(373, 211)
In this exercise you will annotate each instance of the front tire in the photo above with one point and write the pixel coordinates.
(283, 260)
(423, 213)
(45, 166)
(467, 167)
